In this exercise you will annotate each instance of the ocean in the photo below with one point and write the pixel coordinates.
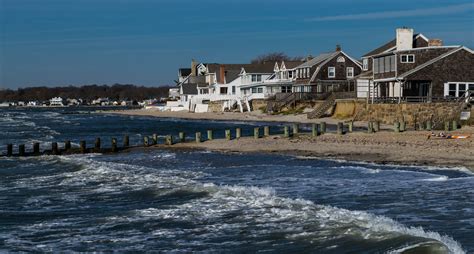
(170, 200)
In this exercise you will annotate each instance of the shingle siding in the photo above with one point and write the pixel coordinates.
(457, 67)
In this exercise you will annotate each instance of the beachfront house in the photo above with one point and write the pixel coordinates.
(418, 69)
(56, 102)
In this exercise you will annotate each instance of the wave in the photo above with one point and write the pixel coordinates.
(224, 209)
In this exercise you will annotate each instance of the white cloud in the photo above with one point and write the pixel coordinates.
(400, 14)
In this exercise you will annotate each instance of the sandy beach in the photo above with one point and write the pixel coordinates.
(407, 148)
(230, 116)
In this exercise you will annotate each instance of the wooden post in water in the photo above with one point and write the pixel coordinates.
(296, 128)
(376, 126)
(314, 130)
(396, 127)
(182, 137)
(340, 128)
(155, 138)
(428, 125)
(9, 149)
(198, 137)
(286, 131)
(403, 126)
(21, 150)
(238, 133)
(370, 127)
(114, 145)
(209, 135)
(126, 141)
(350, 126)
(256, 132)
(446, 126)
(169, 140)
(323, 127)
(146, 141)
(82, 146)
(54, 148)
(227, 135)
(97, 145)
(36, 148)
(266, 131)
(67, 145)
(455, 125)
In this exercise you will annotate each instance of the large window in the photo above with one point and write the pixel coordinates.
(286, 89)
(407, 58)
(350, 72)
(376, 65)
(257, 89)
(365, 64)
(458, 89)
(256, 78)
(331, 72)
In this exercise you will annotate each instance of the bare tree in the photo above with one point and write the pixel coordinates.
(274, 57)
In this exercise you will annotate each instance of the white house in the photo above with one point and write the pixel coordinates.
(56, 102)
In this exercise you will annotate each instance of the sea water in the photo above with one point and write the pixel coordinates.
(192, 200)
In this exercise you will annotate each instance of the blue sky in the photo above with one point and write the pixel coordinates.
(62, 42)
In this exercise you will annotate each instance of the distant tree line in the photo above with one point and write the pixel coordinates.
(87, 93)
(274, 57)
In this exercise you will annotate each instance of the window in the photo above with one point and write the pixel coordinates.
(286, 89)
(331, 72)
(290, 74)
(407, 58)
(381, 65)
(308, 71)
(233, 89)
(341, 59)
(462, 90)
(392, 63)
(256, 78)
(365, 64)
(223, 90)
(458, 89)
(387, 63)
(257, 89)
(350, 72)
(376, 66)
(304, 73)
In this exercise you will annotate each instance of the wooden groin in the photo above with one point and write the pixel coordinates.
(317, 129)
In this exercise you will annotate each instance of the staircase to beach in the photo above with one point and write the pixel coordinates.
(321, 110)
(280, 101)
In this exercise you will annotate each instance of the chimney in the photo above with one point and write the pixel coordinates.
(404, 38)
(338, 47)
(193, 67)
(222, 74)
(435, 43)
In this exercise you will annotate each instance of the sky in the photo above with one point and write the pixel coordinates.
(144, 42)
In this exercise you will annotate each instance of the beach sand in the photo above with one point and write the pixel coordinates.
(386, 146)
(407, 148)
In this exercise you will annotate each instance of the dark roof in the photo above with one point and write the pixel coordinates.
(292, 64)
(266, 67)
(189, 88)
(184, 72)
(386, 46)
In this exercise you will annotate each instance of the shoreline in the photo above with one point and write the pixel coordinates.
(355, 147)
(386, 146)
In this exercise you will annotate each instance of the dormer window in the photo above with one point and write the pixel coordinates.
(256, 78)
(331, 72)
(407, 58)
(290, 74)
(365, 64)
